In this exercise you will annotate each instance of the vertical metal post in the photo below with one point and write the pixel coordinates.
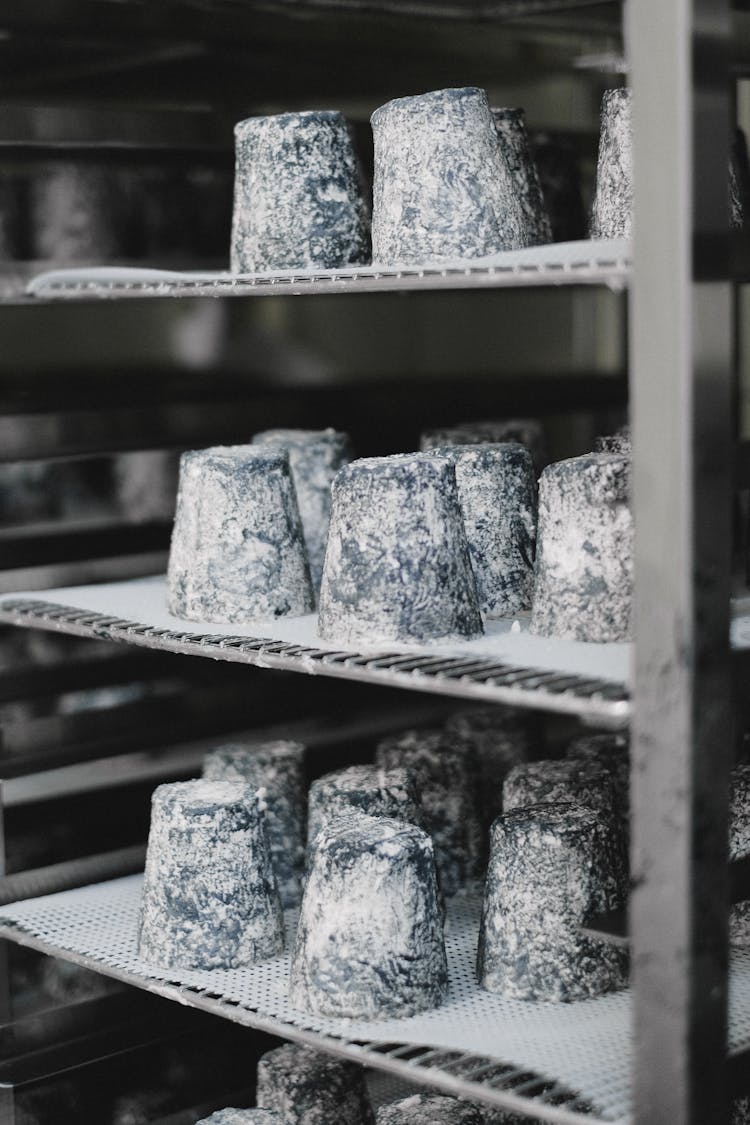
(681, 381)
(6, 1010)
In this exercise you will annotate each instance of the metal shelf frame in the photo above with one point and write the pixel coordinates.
(681, 383)
(681, 380)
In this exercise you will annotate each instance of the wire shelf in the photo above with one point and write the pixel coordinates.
(508, 666)
(563, 1063)
(606, 263)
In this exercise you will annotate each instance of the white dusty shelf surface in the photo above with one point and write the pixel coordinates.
(508, 665)
(603, 262)
(561, 1059)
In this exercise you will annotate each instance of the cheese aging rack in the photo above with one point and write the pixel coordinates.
(141, 352)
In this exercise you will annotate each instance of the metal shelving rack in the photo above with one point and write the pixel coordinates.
(681, 390)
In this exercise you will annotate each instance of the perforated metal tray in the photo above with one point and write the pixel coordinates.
(508, 666)
(558, 1062)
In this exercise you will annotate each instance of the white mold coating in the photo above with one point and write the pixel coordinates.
(446, 782)
(550, 868)
(371, 789)
(429, 1109)
(514, 143)
(739, 847)
(232, 1116)
(308, 1087)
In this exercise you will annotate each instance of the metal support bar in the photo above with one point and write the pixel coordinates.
(681, 380)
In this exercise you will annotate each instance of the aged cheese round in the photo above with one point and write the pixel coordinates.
(210, 899)
(370, 937)
(442, 188)
(277, 769)
(307, 1087)
(397, 566)
(237, 549)
(298, 201)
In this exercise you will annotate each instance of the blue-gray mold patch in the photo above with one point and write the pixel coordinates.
(237, 549)
(429, 1109)
(307, 1087)
(550, 867)
(442, 187)
(277, 769)
(210, 899)
(514, 144)
(497, 492)
(447, 784)
(612, 212)
(371, 789)
(584, 562)
(298, 198)
(397, 566)
(315, 456)
(370, 939)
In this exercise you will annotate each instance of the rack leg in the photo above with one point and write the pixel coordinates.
(681, 392)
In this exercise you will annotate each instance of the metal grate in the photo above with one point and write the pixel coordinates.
(571, 263)
(480, 676)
